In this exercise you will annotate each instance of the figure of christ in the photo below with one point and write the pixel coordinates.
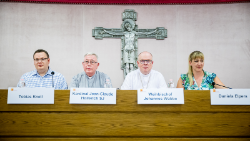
(129, 56)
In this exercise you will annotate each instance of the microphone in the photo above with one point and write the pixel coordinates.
(52, 73)
(213, 83)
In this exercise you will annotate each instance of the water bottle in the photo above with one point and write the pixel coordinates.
(107, 84)
(171, 83)
(21, 83)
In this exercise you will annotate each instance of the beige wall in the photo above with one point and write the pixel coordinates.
(220, 31)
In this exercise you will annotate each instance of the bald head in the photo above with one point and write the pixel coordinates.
(145, 62)
(145, 53)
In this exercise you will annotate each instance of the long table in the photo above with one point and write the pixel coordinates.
(197, 119)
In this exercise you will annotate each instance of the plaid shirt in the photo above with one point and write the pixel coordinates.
(33, 79)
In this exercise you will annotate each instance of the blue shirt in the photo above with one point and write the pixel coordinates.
(33, 79)
(98, 80)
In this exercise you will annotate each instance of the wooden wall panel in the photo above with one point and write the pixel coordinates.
(124, 124)
(122, 139)
(195, 101)
(195, 120)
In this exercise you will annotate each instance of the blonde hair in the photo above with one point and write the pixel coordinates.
(192, 56)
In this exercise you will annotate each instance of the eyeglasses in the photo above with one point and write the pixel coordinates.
(42, 59)
(145, 61)
(91, 62)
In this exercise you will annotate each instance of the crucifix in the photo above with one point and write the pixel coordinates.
(129, 34)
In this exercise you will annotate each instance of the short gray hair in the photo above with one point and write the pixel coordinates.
(91, 53)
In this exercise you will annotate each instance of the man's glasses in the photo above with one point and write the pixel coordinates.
(42, 59)
(145, 61)
(91, 62)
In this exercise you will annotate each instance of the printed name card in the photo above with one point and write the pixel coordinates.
(30, 96)
(160, 96)
(92, 96)
(230, 96)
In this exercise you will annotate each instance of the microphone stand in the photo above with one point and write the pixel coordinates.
(220, 85)
(52, 73)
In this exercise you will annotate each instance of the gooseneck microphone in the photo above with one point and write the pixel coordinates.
(220, 85)
(52, 73)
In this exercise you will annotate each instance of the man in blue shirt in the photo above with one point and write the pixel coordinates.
(42, 76)
(90, 77)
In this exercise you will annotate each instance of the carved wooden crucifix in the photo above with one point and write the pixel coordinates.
(129, 34)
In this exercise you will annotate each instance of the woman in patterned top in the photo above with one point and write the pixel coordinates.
(197, 78)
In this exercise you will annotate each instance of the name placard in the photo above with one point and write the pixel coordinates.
(230, 96)
(92, 96)
(30, 96)
(160, 96)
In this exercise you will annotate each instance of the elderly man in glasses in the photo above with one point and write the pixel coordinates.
(144, 77)
(90, 78)
(43, 76)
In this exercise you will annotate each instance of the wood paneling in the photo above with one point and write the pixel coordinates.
(123, 139)
(194, 120)
(124, 124)
(195, 101)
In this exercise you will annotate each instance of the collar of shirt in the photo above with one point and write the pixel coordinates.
(143, 75)
(91, 76)
(48, 72)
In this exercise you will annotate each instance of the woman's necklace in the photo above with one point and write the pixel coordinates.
(199, 80)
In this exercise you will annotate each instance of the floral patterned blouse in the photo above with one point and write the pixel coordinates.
(206, 83)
